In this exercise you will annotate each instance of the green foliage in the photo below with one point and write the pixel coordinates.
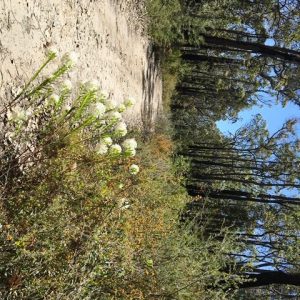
(61, 186)
(74, 223)
(248, 177)
(173, 70)
(170, 75)
(165, 20)
(194, 266)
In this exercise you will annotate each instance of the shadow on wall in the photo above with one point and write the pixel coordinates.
(150, 76)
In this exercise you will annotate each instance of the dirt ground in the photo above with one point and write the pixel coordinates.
(107, 35)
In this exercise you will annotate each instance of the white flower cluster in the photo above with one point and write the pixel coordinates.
(130, 146)
(16, 114)
(52, 52)
(121, 129)
(67, 85)
(115, 149)
(92, 85)
(18, 134)
(24, 118)
(70, 59)
(104, 112)
(107, 145)
(130, 101)
(53, 99)
(110, 115)
(98, 110)
(134, 169)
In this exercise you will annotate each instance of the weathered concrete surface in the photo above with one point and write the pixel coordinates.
(106, 34)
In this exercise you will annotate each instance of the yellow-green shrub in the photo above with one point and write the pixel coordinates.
(75, 224)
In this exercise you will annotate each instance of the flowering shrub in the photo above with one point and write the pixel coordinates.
(75, 220)
(63, 175)
(44, 117)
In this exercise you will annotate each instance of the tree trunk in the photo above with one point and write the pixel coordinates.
(269, 51)
(271, 277)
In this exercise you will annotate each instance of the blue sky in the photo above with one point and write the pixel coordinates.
(275, 116)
